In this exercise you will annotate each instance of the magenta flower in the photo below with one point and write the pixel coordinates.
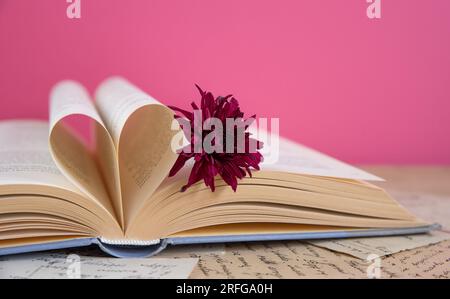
(229, 165)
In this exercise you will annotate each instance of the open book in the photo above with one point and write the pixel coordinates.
(57, 190)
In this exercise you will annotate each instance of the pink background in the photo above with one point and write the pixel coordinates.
(366, 91)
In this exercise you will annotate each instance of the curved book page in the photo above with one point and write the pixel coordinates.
(37, 199)
(72, 156)
(140, 127)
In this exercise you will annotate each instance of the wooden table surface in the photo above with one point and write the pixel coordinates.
(434, 180)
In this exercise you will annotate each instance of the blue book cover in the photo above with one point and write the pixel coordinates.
(136, 251)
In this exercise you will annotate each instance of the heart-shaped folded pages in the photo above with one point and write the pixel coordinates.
(133, 134)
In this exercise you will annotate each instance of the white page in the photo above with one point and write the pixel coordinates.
(25, 157)
(140, 127)
(70, 98)
(62, 266)
(117, 100)
(290, 156)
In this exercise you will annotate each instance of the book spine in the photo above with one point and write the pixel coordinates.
(126, 242)
(131, 248)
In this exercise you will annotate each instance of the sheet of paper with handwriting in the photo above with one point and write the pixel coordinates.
(294, 259)
(291, 259)
(367, 248)
(62, 266)
(432, 261)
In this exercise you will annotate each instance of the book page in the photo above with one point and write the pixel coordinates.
(25, 158)
(140, 127)
(292, 157)
(71, 155)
